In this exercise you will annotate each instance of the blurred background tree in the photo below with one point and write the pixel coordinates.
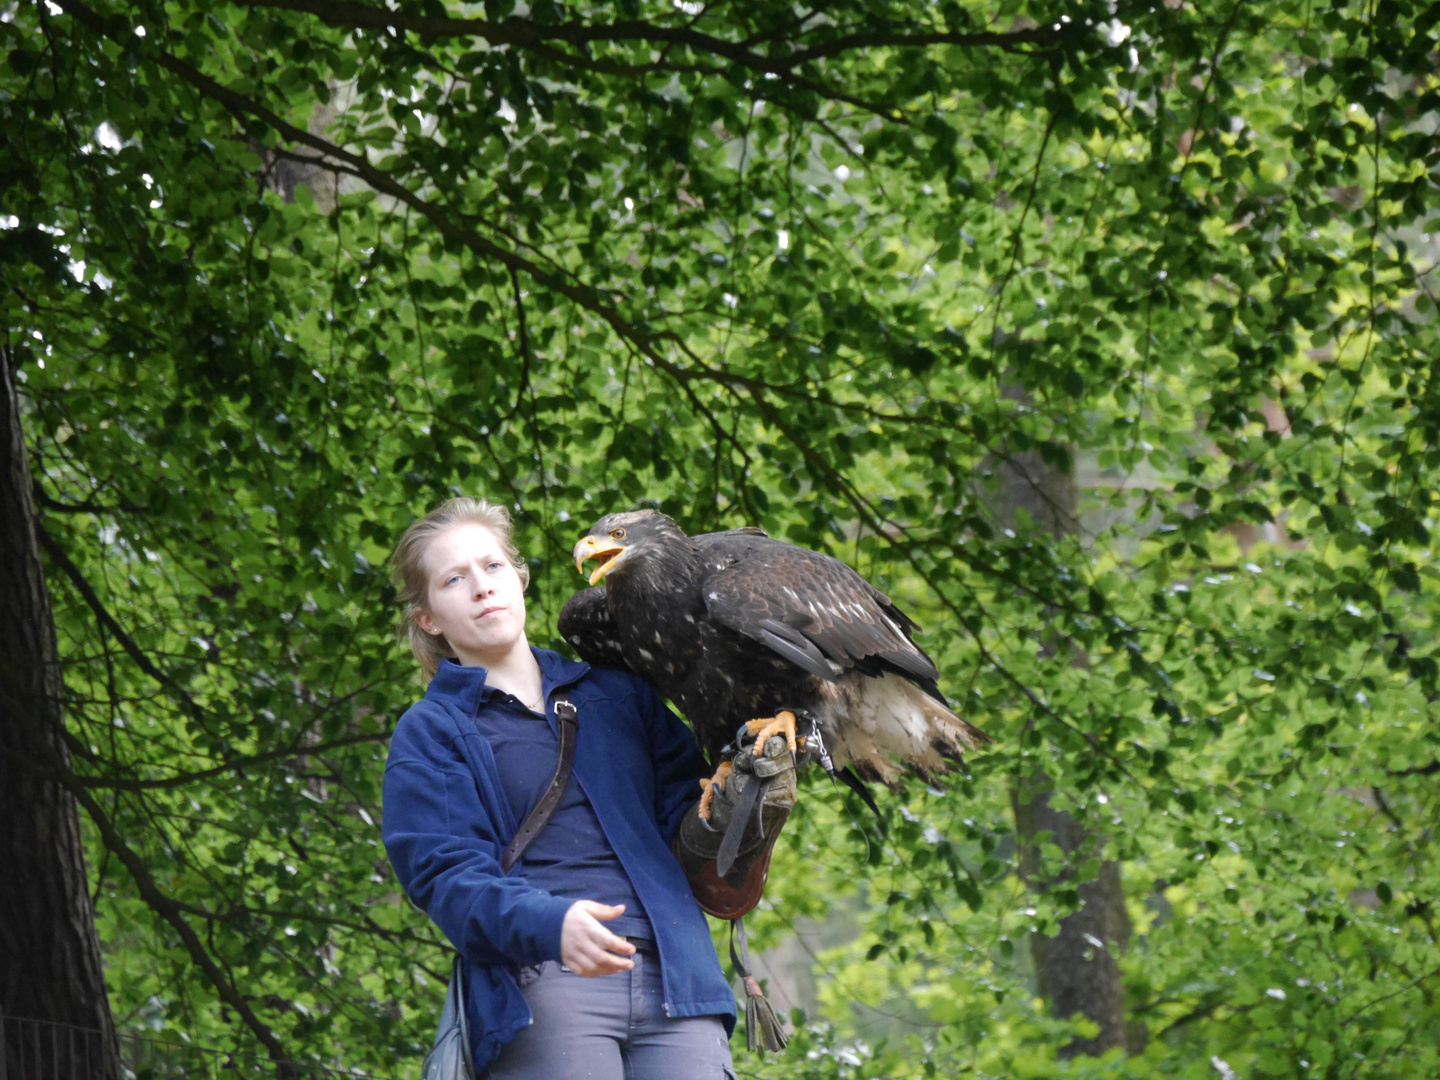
(1100, 334)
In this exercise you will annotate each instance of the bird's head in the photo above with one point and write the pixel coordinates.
(620, 539)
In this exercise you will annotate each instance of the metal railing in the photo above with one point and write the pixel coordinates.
(47, 1050)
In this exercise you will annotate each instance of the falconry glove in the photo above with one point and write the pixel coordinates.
(727, 858)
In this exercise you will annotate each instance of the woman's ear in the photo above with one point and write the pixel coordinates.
(424, 621)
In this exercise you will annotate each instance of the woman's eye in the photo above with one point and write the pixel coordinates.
(452, 579)
(495, 566)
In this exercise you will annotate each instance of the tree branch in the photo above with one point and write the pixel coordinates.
(295, 749)
(169, 910)
(128, 643)
(1417, 770)
(530, 35)
(87, 507)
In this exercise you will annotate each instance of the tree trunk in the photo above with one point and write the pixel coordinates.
(50, 967)
(1074, 970)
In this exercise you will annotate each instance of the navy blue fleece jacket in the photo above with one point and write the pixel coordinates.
(447, 821)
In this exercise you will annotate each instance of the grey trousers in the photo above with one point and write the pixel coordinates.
(612, 1027)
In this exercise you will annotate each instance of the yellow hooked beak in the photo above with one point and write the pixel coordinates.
(606, 550)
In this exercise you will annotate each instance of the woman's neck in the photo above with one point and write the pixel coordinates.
(514, 671)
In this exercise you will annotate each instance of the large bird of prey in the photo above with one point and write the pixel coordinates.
(739, 628)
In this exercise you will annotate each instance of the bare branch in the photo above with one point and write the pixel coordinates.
(530, 35)
(128, 643)
(169, 910)
(295, 749)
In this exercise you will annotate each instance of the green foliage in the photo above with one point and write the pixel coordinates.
(754, 268)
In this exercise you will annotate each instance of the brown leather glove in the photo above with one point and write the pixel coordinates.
(763, 790)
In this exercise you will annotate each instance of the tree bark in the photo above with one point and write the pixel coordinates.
(50, 966)
(1075, 971)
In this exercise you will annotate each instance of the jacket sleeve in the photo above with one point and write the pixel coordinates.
(447, 857)
(678, 763)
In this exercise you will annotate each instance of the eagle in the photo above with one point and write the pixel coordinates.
(738, 628)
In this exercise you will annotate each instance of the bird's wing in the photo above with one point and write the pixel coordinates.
(586, 624)
(704, 539)
(816, 612)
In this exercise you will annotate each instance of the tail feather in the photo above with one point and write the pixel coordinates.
(887, 727)
(855, 784)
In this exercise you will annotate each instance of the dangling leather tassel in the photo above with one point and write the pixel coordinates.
(762, 1026)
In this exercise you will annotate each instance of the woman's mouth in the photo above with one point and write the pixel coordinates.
(489, 611)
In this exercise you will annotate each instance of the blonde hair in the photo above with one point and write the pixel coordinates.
(407, 565)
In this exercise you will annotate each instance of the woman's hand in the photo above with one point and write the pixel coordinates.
(586, 947)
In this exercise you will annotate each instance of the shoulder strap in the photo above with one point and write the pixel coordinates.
(568, 722)
(457, 984)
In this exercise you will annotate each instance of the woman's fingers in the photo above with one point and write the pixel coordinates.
(587, 947)
(602, 942)
(604, 949)
(592, 960)
(615, 944)
(601, 911)
(598, 933)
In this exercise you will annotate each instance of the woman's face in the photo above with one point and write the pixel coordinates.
(473, 594)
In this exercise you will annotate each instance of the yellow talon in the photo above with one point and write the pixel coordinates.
(708, 787)
(762, 729)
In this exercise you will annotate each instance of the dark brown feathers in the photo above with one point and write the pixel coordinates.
(734, 626)
(817, 612)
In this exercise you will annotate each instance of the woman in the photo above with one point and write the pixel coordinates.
(590, 958)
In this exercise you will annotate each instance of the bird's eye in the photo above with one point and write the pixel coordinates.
(617, 534)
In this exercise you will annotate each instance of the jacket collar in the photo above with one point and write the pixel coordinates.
(465, 687)
(556, 670)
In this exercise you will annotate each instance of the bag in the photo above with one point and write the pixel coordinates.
(449, 1058)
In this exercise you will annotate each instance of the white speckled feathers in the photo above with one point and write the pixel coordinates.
(736, 626)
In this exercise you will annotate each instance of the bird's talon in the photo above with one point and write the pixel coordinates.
(782, 722)
(709, 787)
